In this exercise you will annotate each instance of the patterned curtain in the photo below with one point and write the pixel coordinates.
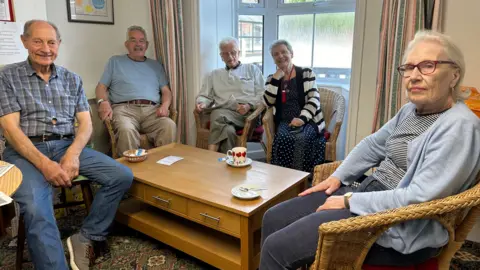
(170, 51)
(400, 20)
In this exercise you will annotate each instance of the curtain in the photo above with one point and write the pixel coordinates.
(168, 37)
(400, 20)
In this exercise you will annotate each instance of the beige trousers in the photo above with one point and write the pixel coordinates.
(223, 126)
(129, 120)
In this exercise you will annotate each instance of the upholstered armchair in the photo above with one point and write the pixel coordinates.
(354, 236)
(144, 142)
(333, 108)
(251, 132)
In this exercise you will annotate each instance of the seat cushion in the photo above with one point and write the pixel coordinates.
(431, 264)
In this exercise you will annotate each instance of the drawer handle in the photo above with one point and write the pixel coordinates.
(167, 201)
(217, 219)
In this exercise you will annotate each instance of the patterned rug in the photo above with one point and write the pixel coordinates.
(128, 249)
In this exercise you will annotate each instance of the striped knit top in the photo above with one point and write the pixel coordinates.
(393, 167)
(309, 100)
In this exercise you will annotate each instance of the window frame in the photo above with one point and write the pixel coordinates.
(261, 4)
(272, 9)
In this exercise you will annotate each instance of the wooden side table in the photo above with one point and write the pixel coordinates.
(9, 183)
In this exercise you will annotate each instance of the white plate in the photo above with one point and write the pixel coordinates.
(246, 195)
(248, 161)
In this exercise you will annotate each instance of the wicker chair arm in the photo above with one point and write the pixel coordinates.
(250, 125)
(269, 127)
(198, 122)
(426, 210)
(113, 141)
(336, 132)
(323, 171)
(173, 114)
(358, 234)
(255, 113)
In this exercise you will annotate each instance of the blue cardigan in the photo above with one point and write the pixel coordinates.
(443, 161)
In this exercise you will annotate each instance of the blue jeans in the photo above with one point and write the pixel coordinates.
(35, 199)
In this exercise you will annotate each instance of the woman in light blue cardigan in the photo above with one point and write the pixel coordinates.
(429, 150)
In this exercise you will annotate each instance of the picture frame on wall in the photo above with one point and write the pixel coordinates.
(6, 11)
(90, 11)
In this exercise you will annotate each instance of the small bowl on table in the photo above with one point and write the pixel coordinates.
(135, 155)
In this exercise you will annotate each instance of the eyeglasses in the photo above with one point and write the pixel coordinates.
(141, 41)
(225, 54)
(425, 67)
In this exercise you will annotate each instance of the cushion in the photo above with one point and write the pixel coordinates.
(431, 264)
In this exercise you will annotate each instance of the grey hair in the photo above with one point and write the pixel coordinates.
(27, 31)
(228, 40)
(281, 42)
(136, 28)
(452, 51)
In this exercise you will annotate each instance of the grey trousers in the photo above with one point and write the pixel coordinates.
(129, 120)
(290, 233)
(223, 126)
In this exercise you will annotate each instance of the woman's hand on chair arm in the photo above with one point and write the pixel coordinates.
(330, 185)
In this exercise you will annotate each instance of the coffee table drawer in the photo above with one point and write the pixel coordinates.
(166, 200)
(137, 190)
(214, 217)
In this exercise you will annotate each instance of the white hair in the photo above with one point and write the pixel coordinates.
(136, 28)
(27, 31)
(228, 40)
(452, 51)
(281, 42)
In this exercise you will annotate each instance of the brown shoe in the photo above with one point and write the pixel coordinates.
(81, 254)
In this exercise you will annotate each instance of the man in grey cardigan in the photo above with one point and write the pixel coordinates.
(233, 92)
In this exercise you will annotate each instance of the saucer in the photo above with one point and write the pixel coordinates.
(245, 195)
(248, 161)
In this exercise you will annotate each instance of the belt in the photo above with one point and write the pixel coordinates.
(50, 137)
(138, 101)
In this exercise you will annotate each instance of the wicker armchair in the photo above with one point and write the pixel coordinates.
(144, 142)
(249, 133)
(356, 235)
(333, 108)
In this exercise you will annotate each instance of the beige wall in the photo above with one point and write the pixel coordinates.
(86, 47)
(364, 71)
(461, 23)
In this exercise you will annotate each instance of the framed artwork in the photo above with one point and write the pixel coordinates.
(6, 11)
(90, 11)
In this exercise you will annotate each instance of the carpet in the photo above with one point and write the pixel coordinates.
(128, 249)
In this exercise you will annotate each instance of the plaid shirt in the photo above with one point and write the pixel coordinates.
(44, 107)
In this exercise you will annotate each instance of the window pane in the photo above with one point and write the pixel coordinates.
(296, 1)
(250, 1)
(298, 30)
(250, 36)
(333, 46)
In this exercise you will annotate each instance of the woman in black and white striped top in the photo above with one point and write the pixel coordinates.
(299, 141)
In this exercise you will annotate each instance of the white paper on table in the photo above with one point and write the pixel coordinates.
(4, 199)
(169, 160)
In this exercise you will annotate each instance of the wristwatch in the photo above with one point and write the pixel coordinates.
(347, 197)
(100, 101)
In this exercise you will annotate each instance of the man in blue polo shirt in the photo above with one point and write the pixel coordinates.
(39, 102)
(134, 92)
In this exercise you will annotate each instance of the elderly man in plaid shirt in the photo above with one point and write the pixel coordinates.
(39, 102)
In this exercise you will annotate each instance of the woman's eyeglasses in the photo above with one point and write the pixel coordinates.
(425, 67)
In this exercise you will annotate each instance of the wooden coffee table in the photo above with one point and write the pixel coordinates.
(189, 204)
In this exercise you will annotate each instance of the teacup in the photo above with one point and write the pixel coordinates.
(238, 154)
